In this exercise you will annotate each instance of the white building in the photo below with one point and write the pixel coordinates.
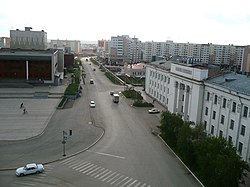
(28, 39)
(179, 87)
(226, 110)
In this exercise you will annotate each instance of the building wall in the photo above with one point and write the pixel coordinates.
(219, 103)
(28, 39)
(75, 45)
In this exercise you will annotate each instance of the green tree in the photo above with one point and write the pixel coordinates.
(170, 124)
(218, 164)
(184, 144)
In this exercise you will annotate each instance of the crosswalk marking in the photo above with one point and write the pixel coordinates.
(90, 169)
(97, 172)
(127, 182)
(132, 183)
(116, 180)
(109, 176)
(113, 177)
(103, 174)
(84, 165)
(121, 181)
(90, 165)
(79, 165)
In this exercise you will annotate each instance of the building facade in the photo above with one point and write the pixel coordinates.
(220, 101)
(226, 110)
(73, 46)
(28, 39)
(4, 42)
(31, 66)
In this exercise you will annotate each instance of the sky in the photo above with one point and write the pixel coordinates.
(194, 21)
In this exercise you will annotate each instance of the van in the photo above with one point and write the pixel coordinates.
(91, 81)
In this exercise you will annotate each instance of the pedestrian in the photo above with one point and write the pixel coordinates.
(24, 111)
(21, 106)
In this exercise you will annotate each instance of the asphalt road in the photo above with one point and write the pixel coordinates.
(127, 155)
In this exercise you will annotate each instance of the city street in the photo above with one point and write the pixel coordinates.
(127, 155)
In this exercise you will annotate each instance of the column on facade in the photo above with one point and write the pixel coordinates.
(186, 102)
(175, 96)
(27, 70)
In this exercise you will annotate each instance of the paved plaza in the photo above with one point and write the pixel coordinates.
(39, 102)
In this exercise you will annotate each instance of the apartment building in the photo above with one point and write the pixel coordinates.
(226, 110)
(28, 39)
(225, 55)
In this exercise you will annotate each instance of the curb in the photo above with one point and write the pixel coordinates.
(181, 161)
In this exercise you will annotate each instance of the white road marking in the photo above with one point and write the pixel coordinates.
(106, 154)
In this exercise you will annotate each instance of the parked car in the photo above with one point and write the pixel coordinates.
(91, 81)
(154, 111)
(29, 169)
(93, 69)
(92, 104)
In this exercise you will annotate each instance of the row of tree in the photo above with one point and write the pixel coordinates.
(213, 160)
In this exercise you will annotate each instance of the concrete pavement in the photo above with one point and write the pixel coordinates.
(40, 103)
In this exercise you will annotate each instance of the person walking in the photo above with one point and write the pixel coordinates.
(21, 106)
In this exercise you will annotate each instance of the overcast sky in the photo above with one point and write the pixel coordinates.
(194, 21)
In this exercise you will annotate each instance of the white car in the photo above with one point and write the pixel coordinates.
(92, 104)
(154, 111)
(29, 169)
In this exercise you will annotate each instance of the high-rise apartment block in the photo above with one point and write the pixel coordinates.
(28, 39)
(225, 55)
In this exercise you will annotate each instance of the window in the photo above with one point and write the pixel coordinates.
(168, 80)
(222, 119)
(205, 125)
(231, 124)
(208, 95)
(206, 111)
(243, 130)
(212, 129)
(183, 97)
(240, 147)
(234, 107)
(245, 111)
(224, 103)
(214, 114)
(215, 99)
(230, 139)
(221, 134)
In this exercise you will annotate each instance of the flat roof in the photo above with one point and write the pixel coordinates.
(232, 81)
(18, 54)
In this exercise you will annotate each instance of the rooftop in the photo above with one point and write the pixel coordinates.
(233, 82)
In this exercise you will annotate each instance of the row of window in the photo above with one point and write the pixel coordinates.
(230, 139)
(224, 104)
(159, 76)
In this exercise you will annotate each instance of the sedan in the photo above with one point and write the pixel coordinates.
(92, 104)
(29, 169)
(154, 111)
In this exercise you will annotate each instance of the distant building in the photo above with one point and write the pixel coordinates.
(28, 39)
(73, 46)
(4, 42)
(135, 70)
(245, 68)
(31, 66)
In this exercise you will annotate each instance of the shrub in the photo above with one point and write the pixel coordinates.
(141, 103)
